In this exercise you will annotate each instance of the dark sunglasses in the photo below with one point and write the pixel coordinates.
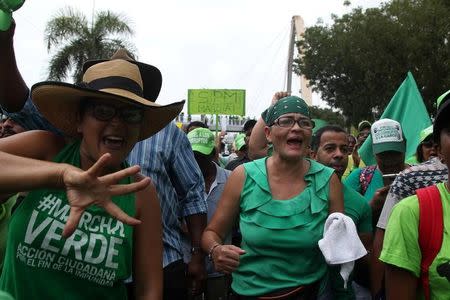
(105, 112)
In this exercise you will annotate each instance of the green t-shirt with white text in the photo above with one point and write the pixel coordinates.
(92, 263)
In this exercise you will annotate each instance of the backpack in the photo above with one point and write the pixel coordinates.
(365, 177)
(431, 229)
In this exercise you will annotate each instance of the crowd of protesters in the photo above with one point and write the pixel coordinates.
(104, 197)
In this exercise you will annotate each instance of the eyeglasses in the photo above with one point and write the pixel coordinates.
(288, 122)
(105, 112)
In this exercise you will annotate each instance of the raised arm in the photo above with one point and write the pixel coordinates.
(13, 90)
(84, 188)
(258, 145)
(24, 168)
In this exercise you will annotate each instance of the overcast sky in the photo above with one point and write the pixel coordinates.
(232, 44)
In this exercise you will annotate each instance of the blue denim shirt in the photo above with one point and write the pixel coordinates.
(212, 199)
(167, 158)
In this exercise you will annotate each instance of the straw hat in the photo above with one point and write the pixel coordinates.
(116, 80)
(151, 76)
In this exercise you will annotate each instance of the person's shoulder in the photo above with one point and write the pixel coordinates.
(254, 166)
(170, 129)
(431, 165)
(410, 203)
(422, 175)
(356, 172)
(238, 175)
(353, 179)
(167, 139)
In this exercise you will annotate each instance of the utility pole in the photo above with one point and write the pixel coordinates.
(297, 29)
(290, 57)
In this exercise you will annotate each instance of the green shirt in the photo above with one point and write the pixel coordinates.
(352, 181)
(5, 296)
(357, 208)
(90, 264)
(281, 237)
(5, 215)
(401, 243)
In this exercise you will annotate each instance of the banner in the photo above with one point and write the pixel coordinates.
(220, 102)
(407, 108)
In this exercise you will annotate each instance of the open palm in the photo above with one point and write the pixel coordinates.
(85, 188)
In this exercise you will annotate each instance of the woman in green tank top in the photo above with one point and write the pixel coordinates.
(71, 236)
(281, 202)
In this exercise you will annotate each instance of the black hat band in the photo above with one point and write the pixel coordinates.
(116, 82)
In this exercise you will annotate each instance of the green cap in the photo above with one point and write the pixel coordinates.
(387, 135)
(239, 141)
(425, 133)
(445, 96)
(202, 140)
(364, 124)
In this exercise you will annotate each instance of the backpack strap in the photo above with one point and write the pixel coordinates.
(365, 177)
(431, 228)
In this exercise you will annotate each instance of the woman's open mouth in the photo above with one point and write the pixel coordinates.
(113, 142)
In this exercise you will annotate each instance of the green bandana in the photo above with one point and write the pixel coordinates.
(291, 104)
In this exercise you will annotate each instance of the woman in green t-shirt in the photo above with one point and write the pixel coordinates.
(282, 202)
(401, 251)
(77, 243)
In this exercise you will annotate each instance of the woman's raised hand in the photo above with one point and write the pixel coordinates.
(279, 95)
(86, 188)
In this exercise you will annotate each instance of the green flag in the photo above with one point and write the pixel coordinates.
(407, 108)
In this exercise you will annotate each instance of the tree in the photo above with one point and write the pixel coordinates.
(358, 62)
(75, 40)
(327, 115)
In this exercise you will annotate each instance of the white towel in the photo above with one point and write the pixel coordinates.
(341, 243)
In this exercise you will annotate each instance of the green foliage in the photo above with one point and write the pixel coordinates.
(75, 40)
(358, 62)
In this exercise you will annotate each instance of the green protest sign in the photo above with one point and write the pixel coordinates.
(218, 102)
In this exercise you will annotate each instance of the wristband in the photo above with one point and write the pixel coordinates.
(211, 250)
